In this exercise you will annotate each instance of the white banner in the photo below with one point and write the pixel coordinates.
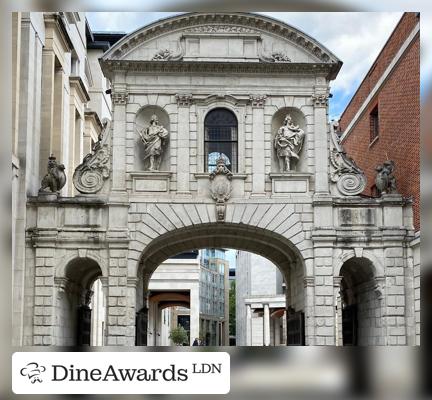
(120, 372)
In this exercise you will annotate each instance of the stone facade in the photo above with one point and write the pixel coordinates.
(310, 222)
(52, 79)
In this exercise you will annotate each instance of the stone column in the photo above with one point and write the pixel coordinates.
(266, 325)
(309, 287)
(183, 152)
(394, 317)
(104, 285)
(194, 313)
(44, 317)
(47, 108)
(57, 138)
(248, 325)
(119, 100)
(117, 298)
(320, 101)
(337, 280)
(284, 330)
(396, 274)
(131, 310)
(156, 323)
(258, 154)
(218, 328)
(276, 329)
(324, 290)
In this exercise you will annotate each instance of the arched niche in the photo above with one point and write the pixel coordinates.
(142, 121)
(277, 121)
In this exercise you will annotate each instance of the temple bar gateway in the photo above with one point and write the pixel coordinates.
(220, 139)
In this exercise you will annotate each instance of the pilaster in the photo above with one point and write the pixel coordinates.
(258, 154)
(320, 102)
(183, 149)
(119, 101)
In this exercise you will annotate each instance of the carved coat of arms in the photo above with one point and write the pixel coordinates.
(220, 187)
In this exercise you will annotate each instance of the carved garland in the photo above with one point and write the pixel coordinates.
(90, 175)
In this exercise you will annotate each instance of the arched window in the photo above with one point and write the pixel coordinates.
(220, 139)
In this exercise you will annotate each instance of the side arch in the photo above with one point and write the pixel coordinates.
(376, 264)
(60, 270)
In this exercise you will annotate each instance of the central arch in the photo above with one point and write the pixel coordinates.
(274, 247)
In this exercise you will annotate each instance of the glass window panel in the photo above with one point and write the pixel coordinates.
(220, 139)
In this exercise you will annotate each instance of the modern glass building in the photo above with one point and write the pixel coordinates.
(214, 291)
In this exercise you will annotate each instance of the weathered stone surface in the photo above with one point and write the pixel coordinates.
(310, 222)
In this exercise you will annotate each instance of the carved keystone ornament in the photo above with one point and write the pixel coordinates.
(220, 187)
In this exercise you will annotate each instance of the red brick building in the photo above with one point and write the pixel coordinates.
(382, 120)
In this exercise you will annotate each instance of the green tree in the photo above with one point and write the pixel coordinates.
(232, 309)
(178, 335)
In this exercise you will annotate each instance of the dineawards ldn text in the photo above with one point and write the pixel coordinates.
(113, 374)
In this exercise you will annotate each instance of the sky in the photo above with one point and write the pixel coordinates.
(355, 38)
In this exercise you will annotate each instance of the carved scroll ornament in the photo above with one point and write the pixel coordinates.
(349, 178)
(90, 175)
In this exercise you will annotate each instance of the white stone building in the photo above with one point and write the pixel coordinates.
(59, 101)
(260, 302)
(174, 283)
(221, 84)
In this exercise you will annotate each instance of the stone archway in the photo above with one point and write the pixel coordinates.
(361, 303)
(72, 302)
(276, 248)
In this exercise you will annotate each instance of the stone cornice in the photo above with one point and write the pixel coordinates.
(55, 21)
(78, 84)
(180, 67)
(85, 201)
(93, 116)
(222, 23)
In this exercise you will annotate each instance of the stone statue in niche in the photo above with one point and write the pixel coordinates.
(385, 181)
(288, 143)
(155, 138)
(55, 177)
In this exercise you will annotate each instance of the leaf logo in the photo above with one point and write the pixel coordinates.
(32, 370)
